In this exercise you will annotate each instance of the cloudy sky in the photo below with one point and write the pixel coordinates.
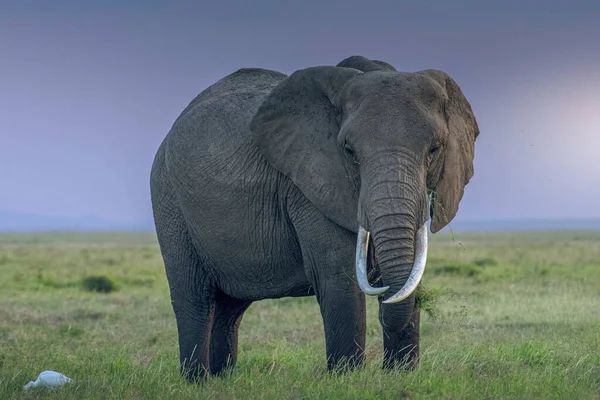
(89, 89)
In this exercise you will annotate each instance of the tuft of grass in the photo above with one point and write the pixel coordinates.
(99, 283)
(427, 300)
(71, 330)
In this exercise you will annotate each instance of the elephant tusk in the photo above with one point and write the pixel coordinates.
(362, 248)
(416, 274)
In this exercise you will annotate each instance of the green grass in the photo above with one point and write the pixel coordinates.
(509, 315)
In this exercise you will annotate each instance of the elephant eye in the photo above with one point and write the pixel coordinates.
(348, 148)
(433, 149)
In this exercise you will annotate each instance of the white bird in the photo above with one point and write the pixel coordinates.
(48, 378)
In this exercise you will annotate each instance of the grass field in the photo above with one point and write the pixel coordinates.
(515, 316)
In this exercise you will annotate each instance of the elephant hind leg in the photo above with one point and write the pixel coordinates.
(192, 298)
(192, 288)
(224, 338)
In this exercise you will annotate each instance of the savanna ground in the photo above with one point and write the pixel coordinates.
(512, 315)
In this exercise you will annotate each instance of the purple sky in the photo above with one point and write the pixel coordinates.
(88, 92)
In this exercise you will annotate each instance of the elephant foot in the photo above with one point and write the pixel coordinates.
(345, 364)
(192, 372)
(199, 375)
(407, 360)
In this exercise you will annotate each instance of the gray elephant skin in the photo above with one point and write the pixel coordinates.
(271, 186)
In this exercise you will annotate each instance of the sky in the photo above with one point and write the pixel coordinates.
(88, 90)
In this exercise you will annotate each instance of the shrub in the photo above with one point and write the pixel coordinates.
(456, 269)
(100, 283)
(426, 299)
(484, 262)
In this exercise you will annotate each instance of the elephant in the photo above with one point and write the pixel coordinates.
(320, 183)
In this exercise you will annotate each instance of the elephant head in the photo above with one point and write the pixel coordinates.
(369, 145)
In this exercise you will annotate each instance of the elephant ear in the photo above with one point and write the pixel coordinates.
(457, 168)
(365, 65)
(295, 129)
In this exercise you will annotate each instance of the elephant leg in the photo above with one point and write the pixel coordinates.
(344, 322)
(328, 254)
(192, 291)
(406, 341)
(194, 321)
(224, 338)
(194, 311)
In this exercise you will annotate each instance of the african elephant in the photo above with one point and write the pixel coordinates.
(270, 185)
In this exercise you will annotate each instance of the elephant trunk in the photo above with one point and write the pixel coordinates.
(394, 207)
(416, 274)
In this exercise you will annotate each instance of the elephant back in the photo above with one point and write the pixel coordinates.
(210, 140)
(244, 80)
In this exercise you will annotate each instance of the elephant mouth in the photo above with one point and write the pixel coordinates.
(432, 200)
(416, 274)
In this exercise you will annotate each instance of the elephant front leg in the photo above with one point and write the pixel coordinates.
(344, 322)
(328, 255)
(401, 349)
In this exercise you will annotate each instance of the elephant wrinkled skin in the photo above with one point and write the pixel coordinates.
(264, 181)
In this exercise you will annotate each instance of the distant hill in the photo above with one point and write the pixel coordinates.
(23, 222)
